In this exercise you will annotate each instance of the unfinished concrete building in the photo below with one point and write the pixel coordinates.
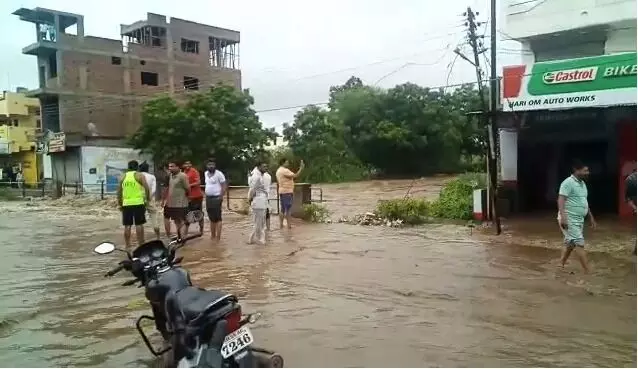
(93, 88)
(85, 79)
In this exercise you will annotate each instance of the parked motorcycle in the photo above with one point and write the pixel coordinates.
(200, 328)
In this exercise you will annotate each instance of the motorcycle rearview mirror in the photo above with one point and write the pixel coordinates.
(104, 248)
(253, 318)
(107, 248)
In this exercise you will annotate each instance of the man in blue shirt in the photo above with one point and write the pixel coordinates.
(572, 210)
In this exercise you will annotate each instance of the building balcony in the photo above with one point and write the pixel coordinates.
(42, 47)
(17, 139)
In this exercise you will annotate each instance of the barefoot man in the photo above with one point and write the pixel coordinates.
(176, 203)
(215, 189)
(153, 205)
(286, 184)
(133, 195)
(258, 199)
(195, 196)
(572, 210)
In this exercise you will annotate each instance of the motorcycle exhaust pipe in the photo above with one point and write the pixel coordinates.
(267, 359)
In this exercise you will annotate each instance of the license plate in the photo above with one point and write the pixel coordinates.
(236, 341)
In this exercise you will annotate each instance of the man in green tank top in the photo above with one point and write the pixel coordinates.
(133, 195)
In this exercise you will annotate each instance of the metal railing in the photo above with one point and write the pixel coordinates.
(26, 189)
(228, 197)
(314, 189)
(44, 188)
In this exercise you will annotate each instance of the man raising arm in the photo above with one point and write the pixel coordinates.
(286, 183)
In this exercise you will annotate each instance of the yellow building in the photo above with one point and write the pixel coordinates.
(19, 123)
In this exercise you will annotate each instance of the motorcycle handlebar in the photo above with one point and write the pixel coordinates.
(181, 242)
(192, 237)
(114, 271)
(129, 282)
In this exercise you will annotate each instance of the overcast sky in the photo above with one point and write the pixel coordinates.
(291, 51)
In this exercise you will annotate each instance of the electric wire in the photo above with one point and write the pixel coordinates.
(117, 104)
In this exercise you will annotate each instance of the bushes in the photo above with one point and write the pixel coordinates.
(410, 211)
(454, 202)
(315, 213)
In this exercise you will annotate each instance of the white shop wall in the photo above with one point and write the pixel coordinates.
(107, 164)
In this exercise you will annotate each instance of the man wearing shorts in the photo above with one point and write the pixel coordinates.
(572, 210)
(286, 184)
(132, 196)
(195, 196)
(176, 206)
(215, 189)
(153, 207)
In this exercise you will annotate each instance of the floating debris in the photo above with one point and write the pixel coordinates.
(370, 219)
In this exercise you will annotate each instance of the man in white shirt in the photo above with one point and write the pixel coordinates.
(267, 180)
(152, 207)
(258, 199)
(215, 189)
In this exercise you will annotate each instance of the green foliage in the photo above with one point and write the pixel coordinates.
(408, 130)
(276, 155)
(318, 138)
(410, 211)
(218, 122)
(454, 202)
(315, 213)
(455, 199)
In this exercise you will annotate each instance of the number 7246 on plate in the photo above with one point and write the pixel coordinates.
(236, 341)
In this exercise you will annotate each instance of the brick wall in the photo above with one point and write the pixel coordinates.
(111, 96)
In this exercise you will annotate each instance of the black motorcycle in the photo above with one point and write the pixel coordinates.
(200, 328)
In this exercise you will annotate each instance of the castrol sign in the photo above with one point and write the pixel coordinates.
(597, 81)
(570, 75)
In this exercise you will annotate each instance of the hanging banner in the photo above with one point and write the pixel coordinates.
(57, 142)
(605, 80)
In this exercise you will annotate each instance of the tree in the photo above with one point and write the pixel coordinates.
(218, 122)
(466, 99)
(318, 137)
(403, 131)
(351, 84)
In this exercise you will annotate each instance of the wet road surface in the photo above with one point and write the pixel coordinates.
(330, 294)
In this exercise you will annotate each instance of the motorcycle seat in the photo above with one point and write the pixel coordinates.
(190, 303)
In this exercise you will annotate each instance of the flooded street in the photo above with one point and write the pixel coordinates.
(332, 294)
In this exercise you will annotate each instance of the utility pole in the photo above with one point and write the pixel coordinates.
(488, 114)
(493, 115)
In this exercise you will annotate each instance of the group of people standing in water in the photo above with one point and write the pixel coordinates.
(177, 193)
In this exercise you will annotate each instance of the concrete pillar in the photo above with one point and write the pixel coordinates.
(508, 144)
(56, 26)
(170, 54)
(80, 28)
(302, 196)
(38, 36)
(508, 167)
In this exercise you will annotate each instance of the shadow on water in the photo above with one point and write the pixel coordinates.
(330, 295)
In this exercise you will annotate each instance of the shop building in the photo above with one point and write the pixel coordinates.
(20, 125)
(572, 97)
(92, 89)
(556, 112)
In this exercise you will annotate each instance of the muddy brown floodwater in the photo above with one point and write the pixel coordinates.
(331, 294)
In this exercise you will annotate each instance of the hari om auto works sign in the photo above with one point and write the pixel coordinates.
(605, 80)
